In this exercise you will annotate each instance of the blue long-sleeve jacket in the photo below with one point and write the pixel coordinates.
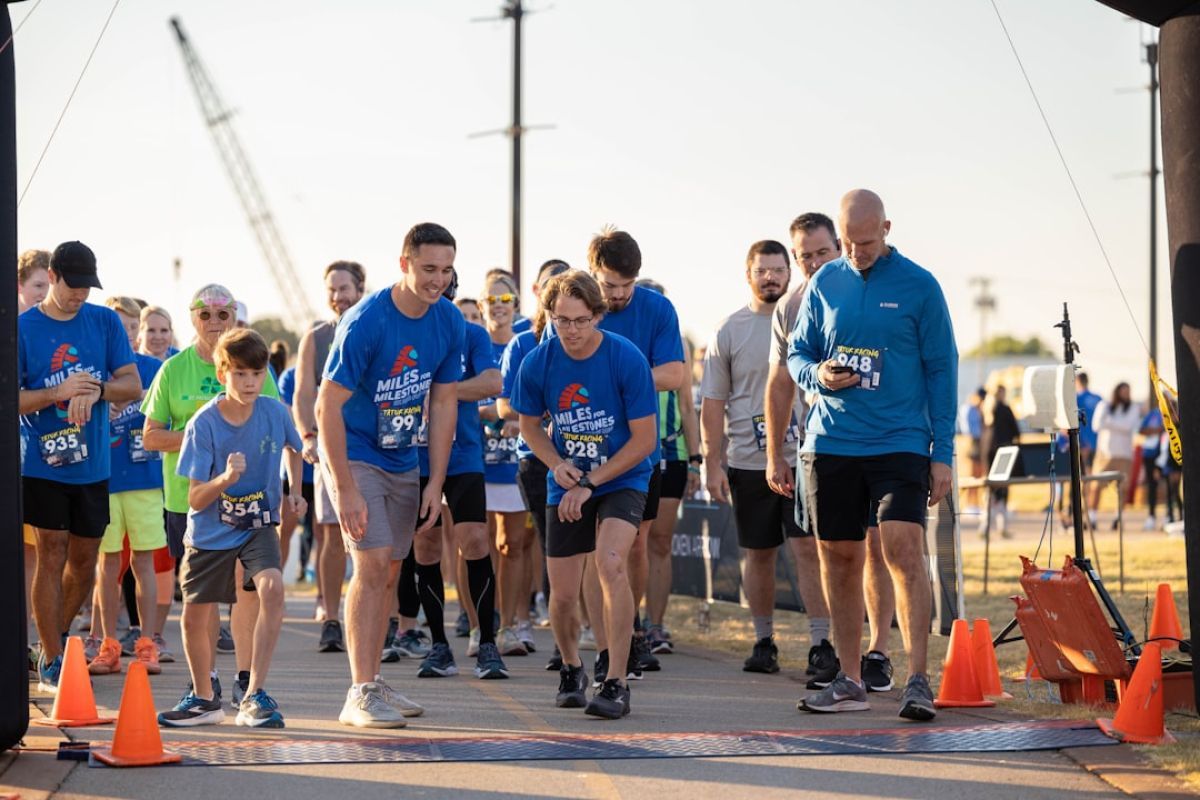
(894, 328)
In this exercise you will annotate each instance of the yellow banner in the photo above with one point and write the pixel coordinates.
(1168, 404)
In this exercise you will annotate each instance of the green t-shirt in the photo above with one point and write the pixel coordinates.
(184, 384)
(670, 428)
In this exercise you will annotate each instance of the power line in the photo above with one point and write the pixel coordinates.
(20, 25)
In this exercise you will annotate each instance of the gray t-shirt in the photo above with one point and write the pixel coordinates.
(736, 373)
(783, 321)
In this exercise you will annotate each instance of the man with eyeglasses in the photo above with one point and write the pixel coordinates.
(184, 384)
(733, 392)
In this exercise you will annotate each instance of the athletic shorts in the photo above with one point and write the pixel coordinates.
(839, 491)
(531, 480)
(138, 516)
(163, 562)
(324, 511)
(393, 500)
(176, 528)
(674, 479)
(504, 498)
(564, 539)
(764, 518)
(464, 495)
(653, 494)
(207, 576)
(80, 508)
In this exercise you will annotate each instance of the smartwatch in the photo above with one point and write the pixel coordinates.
(584, 483)
(696, 459)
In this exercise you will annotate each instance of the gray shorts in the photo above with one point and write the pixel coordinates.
(325, 511)
(393, 500)
(207, 576)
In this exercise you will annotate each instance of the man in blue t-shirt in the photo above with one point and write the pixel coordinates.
(230, 456)
(74, 359)
(1087, 401)
(874, 344)
(598, 390)
(392, 370)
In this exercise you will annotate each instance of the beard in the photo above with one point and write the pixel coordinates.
(769, 294)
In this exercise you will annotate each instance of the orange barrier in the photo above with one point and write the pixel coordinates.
(1139, 718)
(137, 742)
(960, 686)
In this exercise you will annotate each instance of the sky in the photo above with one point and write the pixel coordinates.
(697, 128)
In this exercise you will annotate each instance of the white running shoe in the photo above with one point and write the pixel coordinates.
(587, 640)
(369, 709)
(473, 643)
(406, 707)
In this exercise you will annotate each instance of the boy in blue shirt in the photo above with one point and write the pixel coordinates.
(230, 455)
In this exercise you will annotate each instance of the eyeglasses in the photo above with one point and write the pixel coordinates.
(762, 272)
(206, 315)
(507, 297)
(579, 324)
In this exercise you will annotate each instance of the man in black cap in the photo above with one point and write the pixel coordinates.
(74, 359)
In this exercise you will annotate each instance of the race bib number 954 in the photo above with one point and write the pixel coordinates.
(867, 363)
(245, 512)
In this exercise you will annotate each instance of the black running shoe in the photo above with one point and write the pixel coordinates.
(555, 663)
(462, 626)
(877, 672)
(572, 687)
(600, 669)
(917, 702)
(823, 665)
(393, 628)
(763, 658)
(225, 640)
(611, 702)
(646, 661)
(331, 637)
(241, 684)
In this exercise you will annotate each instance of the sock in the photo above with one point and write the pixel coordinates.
(483, 591)
(406, 588)
(213, 674)
(244, 675)
(764, 627)
(433, 599)
(818, 629)
(129, 591)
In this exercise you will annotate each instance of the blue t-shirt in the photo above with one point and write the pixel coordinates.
(388, 361)
(590, 402)
(515, 351)
(499, 452)
(254, 501)
(48, 350)
(133, 466)
(287, 391)
(466, 454)
(1152, 445)
(1087, 402)
(522, 324)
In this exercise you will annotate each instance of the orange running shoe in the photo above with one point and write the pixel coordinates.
(146, 652)
(108, 660)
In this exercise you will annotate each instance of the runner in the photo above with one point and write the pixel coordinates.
(156, 334)
(875, 345)
(230, 456)
(345, 283)
(287, 393)
(396, 354)
(74, 360)
(599, 391)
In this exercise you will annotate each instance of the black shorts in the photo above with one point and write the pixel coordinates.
(674, 479)
(208, 576)
(531, 480)
(564, 539)
(80, 508)
(653, 494)
(839, 492)
(176, 528)
(764, 519)
(464, 495)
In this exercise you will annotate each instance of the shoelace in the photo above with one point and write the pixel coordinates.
(567, 681)
(373, 702)
(611, 690)
(264, 700)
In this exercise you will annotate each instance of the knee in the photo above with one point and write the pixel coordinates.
(842, 556)
(610, 568)
(659, 543)
(427, 547)
(269, 586)
(563, 602)
(371, 571)
(473, 543)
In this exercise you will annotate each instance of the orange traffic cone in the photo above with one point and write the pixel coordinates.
(137, 742)
(987, 671)
(1139, 718)
(74, 705)
(1164, 622)
(1031, 670)
(960, 686)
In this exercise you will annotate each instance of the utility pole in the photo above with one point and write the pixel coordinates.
(1152, 60)
(985, 302)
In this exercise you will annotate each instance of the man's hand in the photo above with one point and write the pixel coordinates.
(940, 481)
(309, 453)
(299, 505)
(717, 482)
(351, 511)
(570, 508)
(235, 465)
(79, 408)
(834, 381)
(693, 482)
(510, 430)
(780, 478)
(567, 474)
(77, 383)
(431, 506)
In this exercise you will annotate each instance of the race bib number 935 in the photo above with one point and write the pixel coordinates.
(64, 447)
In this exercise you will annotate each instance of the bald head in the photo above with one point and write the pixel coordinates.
(864, 227)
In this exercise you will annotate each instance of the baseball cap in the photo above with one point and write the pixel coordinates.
(243, 313)
(212, 295)
(75, 263)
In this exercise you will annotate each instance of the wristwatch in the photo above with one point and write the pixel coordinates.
(586, 484)
(696, 459)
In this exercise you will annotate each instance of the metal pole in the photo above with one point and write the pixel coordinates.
(1152, 60)
(516, 12)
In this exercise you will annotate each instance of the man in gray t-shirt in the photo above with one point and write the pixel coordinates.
(733, 389)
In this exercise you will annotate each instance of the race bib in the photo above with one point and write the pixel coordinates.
(245, 512)
(867, 363)
(498, 449)
(587, 451)
(138, 454)
(790, 436)
(399, 427)
(64, 447)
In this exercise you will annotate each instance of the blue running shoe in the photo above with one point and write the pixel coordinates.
(192, 711)
(411, 644)
(488, 664)
(259, 710)
(48, 674)
(439, 663)
(216, 687)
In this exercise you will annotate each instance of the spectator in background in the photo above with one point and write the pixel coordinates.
(1113, 424)
(999, 430)
(1087, 402)
(469, 307)
(33, 279)
(1151, 432)
(970, 424)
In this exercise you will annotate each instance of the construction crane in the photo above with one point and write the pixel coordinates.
(219, 119)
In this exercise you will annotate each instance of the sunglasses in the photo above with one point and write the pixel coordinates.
(501, 298)
(206, 315)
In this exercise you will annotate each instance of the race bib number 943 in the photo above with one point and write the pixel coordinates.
(245, 512)
(586, 450)
(867, 363)
(398, 427)
(64, 447)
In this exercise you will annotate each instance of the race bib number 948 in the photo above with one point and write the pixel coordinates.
(867, 363)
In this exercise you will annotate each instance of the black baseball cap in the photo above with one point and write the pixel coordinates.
(75, 263)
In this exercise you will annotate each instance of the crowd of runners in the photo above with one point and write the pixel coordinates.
(543, 456)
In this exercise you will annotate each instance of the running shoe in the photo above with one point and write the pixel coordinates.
(192, 711)
(393, 629)
(572, 687)
(525, 634)
(319, 613)
(91, 647)
(412, 644)
(241, 684)
(763, 658)
(877, 672)
(259, 710)
(509, 644)
(225, 640)
(214, 681)
(129, 641)
(406, 707)
(32, 653)
(555, 663)
(640, 648)
(439, 663)
(108, 660)
(165, 656)
(917, 701)
(366, 708)
(541, 611)
(331, 637)
(146, 654)
(611, 702)
(587, 639)
(842, 694)
(489, 665)
(600, 669)
(473, 643)
(659, 642)
(48, 673)
(462, 626)
(389, 656)
(823, 665)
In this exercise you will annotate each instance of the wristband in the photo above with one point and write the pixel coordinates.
(308, 436)
(696, 459)
(693, 469)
